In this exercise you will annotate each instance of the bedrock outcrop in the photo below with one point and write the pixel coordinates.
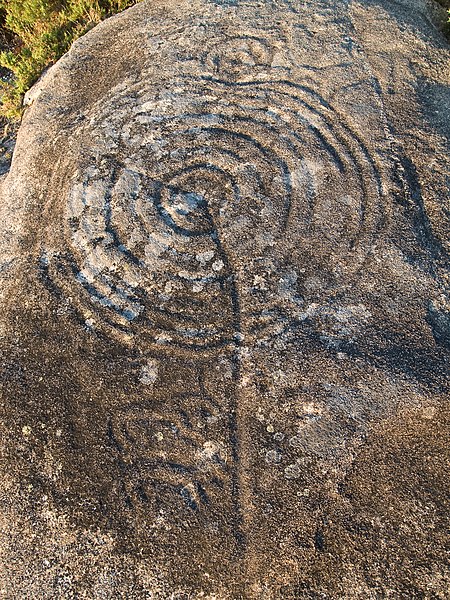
(224, 308)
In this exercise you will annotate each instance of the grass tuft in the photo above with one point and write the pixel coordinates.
(38, 32)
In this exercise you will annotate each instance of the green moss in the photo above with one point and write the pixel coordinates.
(42, 31)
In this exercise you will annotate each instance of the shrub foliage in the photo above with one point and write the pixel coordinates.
(37, 33)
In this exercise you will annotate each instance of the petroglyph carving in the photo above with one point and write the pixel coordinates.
(224, 279)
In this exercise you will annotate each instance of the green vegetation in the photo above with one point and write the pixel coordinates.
(446, 4)
(36, 33)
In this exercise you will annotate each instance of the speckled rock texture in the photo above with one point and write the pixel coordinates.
(224, 311)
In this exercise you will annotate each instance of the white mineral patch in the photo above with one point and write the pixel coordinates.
(310, 171)
(147, 106)
(245, 381)
(32, 94)
(134, 238)
(347, 200)
(218, 265)
(343, 320)
(280, 62)
(264, 240)
(244, 352)
(280, 377)
(132, 312)
(259, 282)
(75, 204)
(273, 457)
(293, 471)
(149, 372)
(311, 408)
(163, 338)
(94, 194)
(86, 275)
(210, 451)
(226, 368)
(155, 248)
(204, 257)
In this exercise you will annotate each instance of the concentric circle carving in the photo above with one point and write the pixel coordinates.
(181, 179)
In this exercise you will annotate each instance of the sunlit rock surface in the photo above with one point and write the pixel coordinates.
(225, 326)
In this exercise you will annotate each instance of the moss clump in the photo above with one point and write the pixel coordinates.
(38, 32)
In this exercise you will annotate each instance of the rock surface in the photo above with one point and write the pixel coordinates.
(225, 325)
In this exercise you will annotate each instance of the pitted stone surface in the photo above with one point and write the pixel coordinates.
(225, 316)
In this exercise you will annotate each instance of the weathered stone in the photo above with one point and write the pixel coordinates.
(225, 334)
